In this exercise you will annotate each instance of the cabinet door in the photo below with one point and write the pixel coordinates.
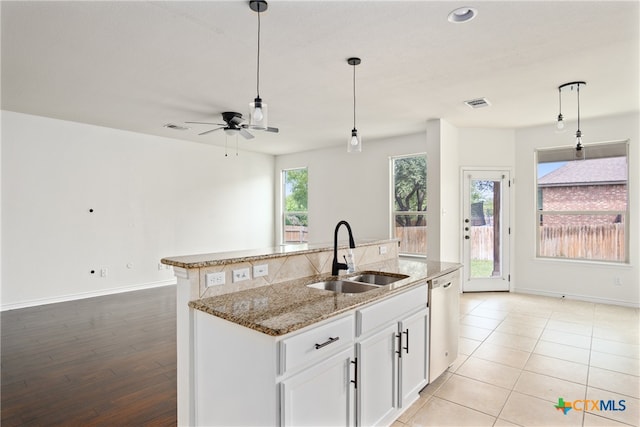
(377, 377)
(322, 395)
(413, 361)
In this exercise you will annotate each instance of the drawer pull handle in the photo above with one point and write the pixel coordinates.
(327, 342)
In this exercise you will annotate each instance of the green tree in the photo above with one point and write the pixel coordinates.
(296, 195)
(410, 192)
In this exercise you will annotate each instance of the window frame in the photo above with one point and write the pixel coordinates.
(392, 202)
(607, 149)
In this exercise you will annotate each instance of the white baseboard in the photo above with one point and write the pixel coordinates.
(83, 295)
(560, 295)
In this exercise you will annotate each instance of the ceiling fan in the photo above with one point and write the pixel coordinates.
(233, 125)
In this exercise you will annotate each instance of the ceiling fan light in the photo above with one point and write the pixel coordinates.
(355, 142)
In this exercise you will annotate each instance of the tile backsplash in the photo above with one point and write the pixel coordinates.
(374, 256)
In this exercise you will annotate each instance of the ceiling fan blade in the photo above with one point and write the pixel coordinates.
(209, 131)
(207, 123)
(246, 134)
(268, 129)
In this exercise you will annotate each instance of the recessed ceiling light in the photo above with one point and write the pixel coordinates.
(462, 14)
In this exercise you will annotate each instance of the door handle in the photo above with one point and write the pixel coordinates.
(399, 351)
(407, 341)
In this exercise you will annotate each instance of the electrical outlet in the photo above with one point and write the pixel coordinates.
(260, 270)
(214, 279)
(617, 281)
(103, 272)
(383, 250)
(241, 274)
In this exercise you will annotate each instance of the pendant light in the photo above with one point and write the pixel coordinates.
(257, 108)
(579, 147)
(355, 140)
(560, 123)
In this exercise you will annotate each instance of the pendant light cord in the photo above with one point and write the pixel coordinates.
(578, 107)
(354, 96)
(258, 67)
(560, 101)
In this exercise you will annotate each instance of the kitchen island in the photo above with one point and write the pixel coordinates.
(240, 348)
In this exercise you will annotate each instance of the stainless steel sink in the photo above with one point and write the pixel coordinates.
(377, 279)
(343, 286)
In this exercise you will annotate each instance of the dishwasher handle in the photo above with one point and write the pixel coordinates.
(445, 281)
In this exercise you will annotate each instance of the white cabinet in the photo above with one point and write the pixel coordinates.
(377, 377)
(414, 365)
(319, 381)
(321, 395)
(392, 356)
(363, 367)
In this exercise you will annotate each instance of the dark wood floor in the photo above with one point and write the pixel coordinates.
(107, 361)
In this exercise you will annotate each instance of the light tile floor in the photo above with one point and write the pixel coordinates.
(519, 353)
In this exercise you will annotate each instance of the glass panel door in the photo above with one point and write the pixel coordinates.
(486, 231)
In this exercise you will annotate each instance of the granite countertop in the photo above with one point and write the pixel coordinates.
(212, 259)
(286, 307)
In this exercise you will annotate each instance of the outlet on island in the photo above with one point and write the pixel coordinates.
(214, 279)
(241, 274)
(260, 270)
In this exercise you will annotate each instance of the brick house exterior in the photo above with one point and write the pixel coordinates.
(592, 184)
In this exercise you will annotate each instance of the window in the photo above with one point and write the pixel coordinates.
(582, 210)
(295, 213)
(409, 193)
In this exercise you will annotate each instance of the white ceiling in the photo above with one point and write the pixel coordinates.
(139, 65)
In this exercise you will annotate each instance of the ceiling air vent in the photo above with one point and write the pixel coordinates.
(477, 103)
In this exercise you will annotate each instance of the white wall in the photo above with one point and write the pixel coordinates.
(356, 187)
(350, 186)
(152, 197)
(588, 281)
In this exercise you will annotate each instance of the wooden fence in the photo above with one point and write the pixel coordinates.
(295, 234)
(598, 242)
(604, 242)
(413, 240)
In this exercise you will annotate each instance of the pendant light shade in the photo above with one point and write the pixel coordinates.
(258, 108)
(354, 144)
(258, 114)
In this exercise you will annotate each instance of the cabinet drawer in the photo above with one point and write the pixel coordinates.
(380, 314)
(316, 343)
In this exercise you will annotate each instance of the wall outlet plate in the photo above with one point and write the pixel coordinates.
(382, 249)
(241, 274)
(214, 279)
(260, 270)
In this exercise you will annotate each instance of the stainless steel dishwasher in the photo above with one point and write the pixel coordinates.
(444, 307)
